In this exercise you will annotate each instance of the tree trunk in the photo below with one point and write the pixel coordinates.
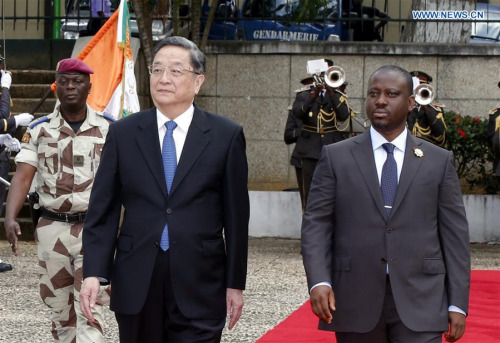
(143, 17)
(445, 31)
(208, 25)
(176, 4)
(196, 21)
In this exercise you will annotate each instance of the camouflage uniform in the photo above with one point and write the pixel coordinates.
(66, 164)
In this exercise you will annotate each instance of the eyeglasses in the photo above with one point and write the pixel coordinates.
(176, 72)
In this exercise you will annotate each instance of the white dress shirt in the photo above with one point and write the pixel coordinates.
(183, 121)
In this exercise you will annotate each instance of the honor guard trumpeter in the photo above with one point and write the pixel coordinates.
(426, 120)
(325, 114)
(494, 137)
(293, 134)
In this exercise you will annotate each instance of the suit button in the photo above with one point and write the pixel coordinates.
(383, 260)
(389, 230)
(156, 244)
(169, 210)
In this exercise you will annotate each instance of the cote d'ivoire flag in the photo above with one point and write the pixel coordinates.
(109, 54)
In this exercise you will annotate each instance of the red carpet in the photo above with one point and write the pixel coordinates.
(483, 322)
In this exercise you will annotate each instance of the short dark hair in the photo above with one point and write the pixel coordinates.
(399, 70)
(198, 59)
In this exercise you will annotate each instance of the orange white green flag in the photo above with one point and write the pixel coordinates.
(114, 90)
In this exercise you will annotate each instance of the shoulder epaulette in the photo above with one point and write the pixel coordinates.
(437, 106)
(493, 111)
(108, 117)
(340, 92)
(39, 121)
(305, 88)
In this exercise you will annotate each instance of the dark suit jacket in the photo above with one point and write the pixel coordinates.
(207, 213)
(348, 241)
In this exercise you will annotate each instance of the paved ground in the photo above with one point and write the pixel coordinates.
(275, 288)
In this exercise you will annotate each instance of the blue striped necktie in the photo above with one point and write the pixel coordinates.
(169, 158)
(389, 178)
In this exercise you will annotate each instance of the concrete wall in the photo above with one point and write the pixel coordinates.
(278, 214)
(254, 83)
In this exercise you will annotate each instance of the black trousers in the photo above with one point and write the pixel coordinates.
(160, 320)
(390, 328)
(300, 183)
(308, 167)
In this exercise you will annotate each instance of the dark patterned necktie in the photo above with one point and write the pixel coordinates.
(169, 158)
(389, 178)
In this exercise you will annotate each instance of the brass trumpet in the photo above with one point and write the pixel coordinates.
(424, 94)
(335, 77)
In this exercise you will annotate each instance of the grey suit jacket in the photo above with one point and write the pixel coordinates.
(347, 239)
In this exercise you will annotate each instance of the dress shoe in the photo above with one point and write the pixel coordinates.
(5, 267)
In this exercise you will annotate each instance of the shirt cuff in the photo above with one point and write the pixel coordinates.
(452, 308)
(320, 284)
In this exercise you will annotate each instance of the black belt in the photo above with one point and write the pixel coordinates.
(72, 217)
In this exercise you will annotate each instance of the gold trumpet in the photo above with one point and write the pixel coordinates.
(424, 94)
(335, 77)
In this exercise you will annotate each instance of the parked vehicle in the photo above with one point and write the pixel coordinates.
(81, 21)
(284, 20)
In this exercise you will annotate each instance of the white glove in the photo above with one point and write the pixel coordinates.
(5, 138)
(22, 119)
(6, 79)
(13, 145)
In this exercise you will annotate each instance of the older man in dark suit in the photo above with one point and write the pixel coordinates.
(178, 263)
(384, 237)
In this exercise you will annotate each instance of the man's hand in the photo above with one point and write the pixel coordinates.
(6, 79)
(12, 231)
(457, 326)
(23, 119)
(323, 303)
(88, 296)
(234, 305)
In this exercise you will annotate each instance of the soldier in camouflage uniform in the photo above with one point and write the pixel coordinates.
(427, 121)
(64, 150)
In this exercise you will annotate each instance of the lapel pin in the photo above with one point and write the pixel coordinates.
(418, 152)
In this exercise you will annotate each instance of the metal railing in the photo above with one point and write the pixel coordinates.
(380, 20)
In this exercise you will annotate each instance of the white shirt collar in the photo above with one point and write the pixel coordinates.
(183, 121)
(378, 139)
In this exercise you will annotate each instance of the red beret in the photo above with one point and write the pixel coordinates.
(73, 65)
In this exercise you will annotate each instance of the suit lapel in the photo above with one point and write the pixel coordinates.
(196, 142)
(363, 154)
(148, 141)
(411, 164)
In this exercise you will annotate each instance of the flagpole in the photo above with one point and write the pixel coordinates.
(122, 96)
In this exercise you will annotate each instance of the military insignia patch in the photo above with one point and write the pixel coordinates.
(26, 137)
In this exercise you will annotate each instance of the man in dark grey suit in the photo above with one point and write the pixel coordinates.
(178, 263)
(382, 267)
